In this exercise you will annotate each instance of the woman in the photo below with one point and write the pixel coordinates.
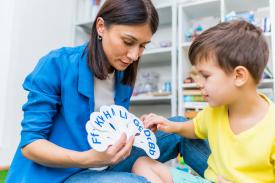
(70, 83)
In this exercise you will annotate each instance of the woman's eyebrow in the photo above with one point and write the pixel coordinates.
(135, 39)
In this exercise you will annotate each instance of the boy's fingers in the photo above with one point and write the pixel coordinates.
(154, 129)
(151, 124)
(143, 117)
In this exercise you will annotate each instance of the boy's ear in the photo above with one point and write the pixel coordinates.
(241, 75)
(100, 26)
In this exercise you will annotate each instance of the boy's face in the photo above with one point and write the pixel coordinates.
(217, 87)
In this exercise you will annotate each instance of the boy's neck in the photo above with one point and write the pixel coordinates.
(248, 109)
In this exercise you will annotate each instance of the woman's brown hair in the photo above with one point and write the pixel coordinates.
(120, 12)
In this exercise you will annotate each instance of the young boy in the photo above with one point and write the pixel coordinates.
(240, 122)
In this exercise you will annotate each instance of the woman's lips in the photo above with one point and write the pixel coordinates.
(124, 63)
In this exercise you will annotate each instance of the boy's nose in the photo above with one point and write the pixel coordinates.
(200, 83)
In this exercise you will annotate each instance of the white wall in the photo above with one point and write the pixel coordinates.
(37, 27)
(6, 15)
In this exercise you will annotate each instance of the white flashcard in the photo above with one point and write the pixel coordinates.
(105, 127)
(121, 115)
(98, 122)
(118, 117)
(135, 125)
(99, 140)
(144, 138)
(146, 141)
(110, 118)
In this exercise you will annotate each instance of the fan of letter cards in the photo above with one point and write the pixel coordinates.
(105, 128)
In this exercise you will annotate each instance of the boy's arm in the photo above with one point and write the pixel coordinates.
(185, 129)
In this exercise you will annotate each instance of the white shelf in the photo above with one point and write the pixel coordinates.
(190, 10)
(157, 51)
(244, 5)
(156, 55)
(144, 99)
(266, 83)
(201, 8)
(267, 34)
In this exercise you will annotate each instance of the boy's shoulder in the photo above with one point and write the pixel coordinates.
(213, 113)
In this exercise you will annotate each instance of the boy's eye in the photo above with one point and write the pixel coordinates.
(205, 76)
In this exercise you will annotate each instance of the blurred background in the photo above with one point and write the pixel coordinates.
(30, 29)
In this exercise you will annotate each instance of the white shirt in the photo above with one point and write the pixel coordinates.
(104, 91)
(103, 95)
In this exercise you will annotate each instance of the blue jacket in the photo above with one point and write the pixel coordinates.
(60, 100)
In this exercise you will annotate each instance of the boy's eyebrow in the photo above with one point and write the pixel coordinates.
(203, 72)
(135, 39)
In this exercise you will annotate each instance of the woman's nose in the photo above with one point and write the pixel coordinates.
(133, 53)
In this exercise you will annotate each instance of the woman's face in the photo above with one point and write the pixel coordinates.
(124, 44)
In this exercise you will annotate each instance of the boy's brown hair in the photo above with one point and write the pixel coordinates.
(234, 43)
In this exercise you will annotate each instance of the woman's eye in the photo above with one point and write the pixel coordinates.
(128, 43)
(143, 46)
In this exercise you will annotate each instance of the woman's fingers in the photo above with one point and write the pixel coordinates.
(121, 149)
(126, 150)
(118, 145)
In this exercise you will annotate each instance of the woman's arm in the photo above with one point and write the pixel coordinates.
(154, 121)
(49, 154)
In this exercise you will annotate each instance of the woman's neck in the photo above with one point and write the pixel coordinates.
(111, 69)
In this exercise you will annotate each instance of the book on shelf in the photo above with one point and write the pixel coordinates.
(195, 105)
(193, 98)
(191, 92)
(190, 114)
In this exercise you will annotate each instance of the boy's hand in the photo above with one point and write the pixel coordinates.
(222, 180)
(153, 128)
(154, 122)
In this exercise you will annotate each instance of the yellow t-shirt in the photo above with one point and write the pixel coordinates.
(248, 157)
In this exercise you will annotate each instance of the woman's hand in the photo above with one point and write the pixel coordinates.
(48, 154)
(113, 155)
(154, 122)
(222, 180)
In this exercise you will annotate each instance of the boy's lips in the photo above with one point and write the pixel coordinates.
(205, 97)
